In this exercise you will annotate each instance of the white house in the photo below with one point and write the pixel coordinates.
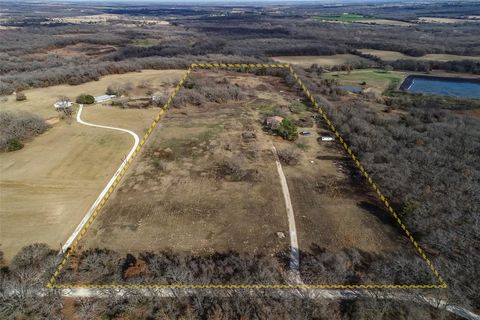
(105, 97)
(63, 104)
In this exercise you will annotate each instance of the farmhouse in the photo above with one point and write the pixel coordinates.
(103, 98)
(63, 104)
(273, 123)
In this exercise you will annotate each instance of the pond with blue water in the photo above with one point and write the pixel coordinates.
(454, 87)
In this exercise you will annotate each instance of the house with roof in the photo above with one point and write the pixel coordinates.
(62, 104)
(273, 123)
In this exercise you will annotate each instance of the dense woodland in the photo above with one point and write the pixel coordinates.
(31, 268)
(16, 128)
(426, 161)
(38, 59)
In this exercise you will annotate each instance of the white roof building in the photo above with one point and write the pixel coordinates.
(106, 97)
(62, 104)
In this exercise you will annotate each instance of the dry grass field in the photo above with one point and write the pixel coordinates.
(395, 55)
(444, 20)
(331, 211)
(386, 22)
(137, 120)
(48, 186)
(175, 198)
(324, 61)
(203, 184)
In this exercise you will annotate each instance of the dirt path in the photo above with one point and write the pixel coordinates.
(90, 212)
(294, 253)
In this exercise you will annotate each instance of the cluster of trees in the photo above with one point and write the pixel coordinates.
(432, 102)
(20, 96)
(101, 266)
(197, 91)
(236, 169)
(22, 295)
(287, 130)
(22, 283)
(289, 156)
(241, 305)
(75, 75)
(307, 36)
(465, 65)
(18, 127)
(426, 162)
(85, 99)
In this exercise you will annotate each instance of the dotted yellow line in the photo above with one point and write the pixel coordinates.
(51, 283)
(367, 176)
(247, 286)
(116, 181)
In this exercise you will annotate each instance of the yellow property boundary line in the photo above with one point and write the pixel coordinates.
(52, 284)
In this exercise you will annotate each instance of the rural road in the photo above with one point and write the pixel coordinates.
(79, 228)
(325, 294)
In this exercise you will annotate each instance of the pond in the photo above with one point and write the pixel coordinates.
(354, 89)
(455, 87)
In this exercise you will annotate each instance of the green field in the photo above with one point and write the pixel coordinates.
(346, 17)
(369, 78)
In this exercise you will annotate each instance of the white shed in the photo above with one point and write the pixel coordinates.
(105, 97)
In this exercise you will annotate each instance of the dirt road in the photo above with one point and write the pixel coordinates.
(294, 253)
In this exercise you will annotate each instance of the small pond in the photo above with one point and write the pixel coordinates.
(354, 89)
(455, 87)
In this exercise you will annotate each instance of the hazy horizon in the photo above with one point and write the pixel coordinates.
(241, 1)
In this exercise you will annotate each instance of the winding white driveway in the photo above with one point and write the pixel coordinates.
(79, 228)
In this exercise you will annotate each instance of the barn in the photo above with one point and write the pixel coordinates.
(104, 98)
